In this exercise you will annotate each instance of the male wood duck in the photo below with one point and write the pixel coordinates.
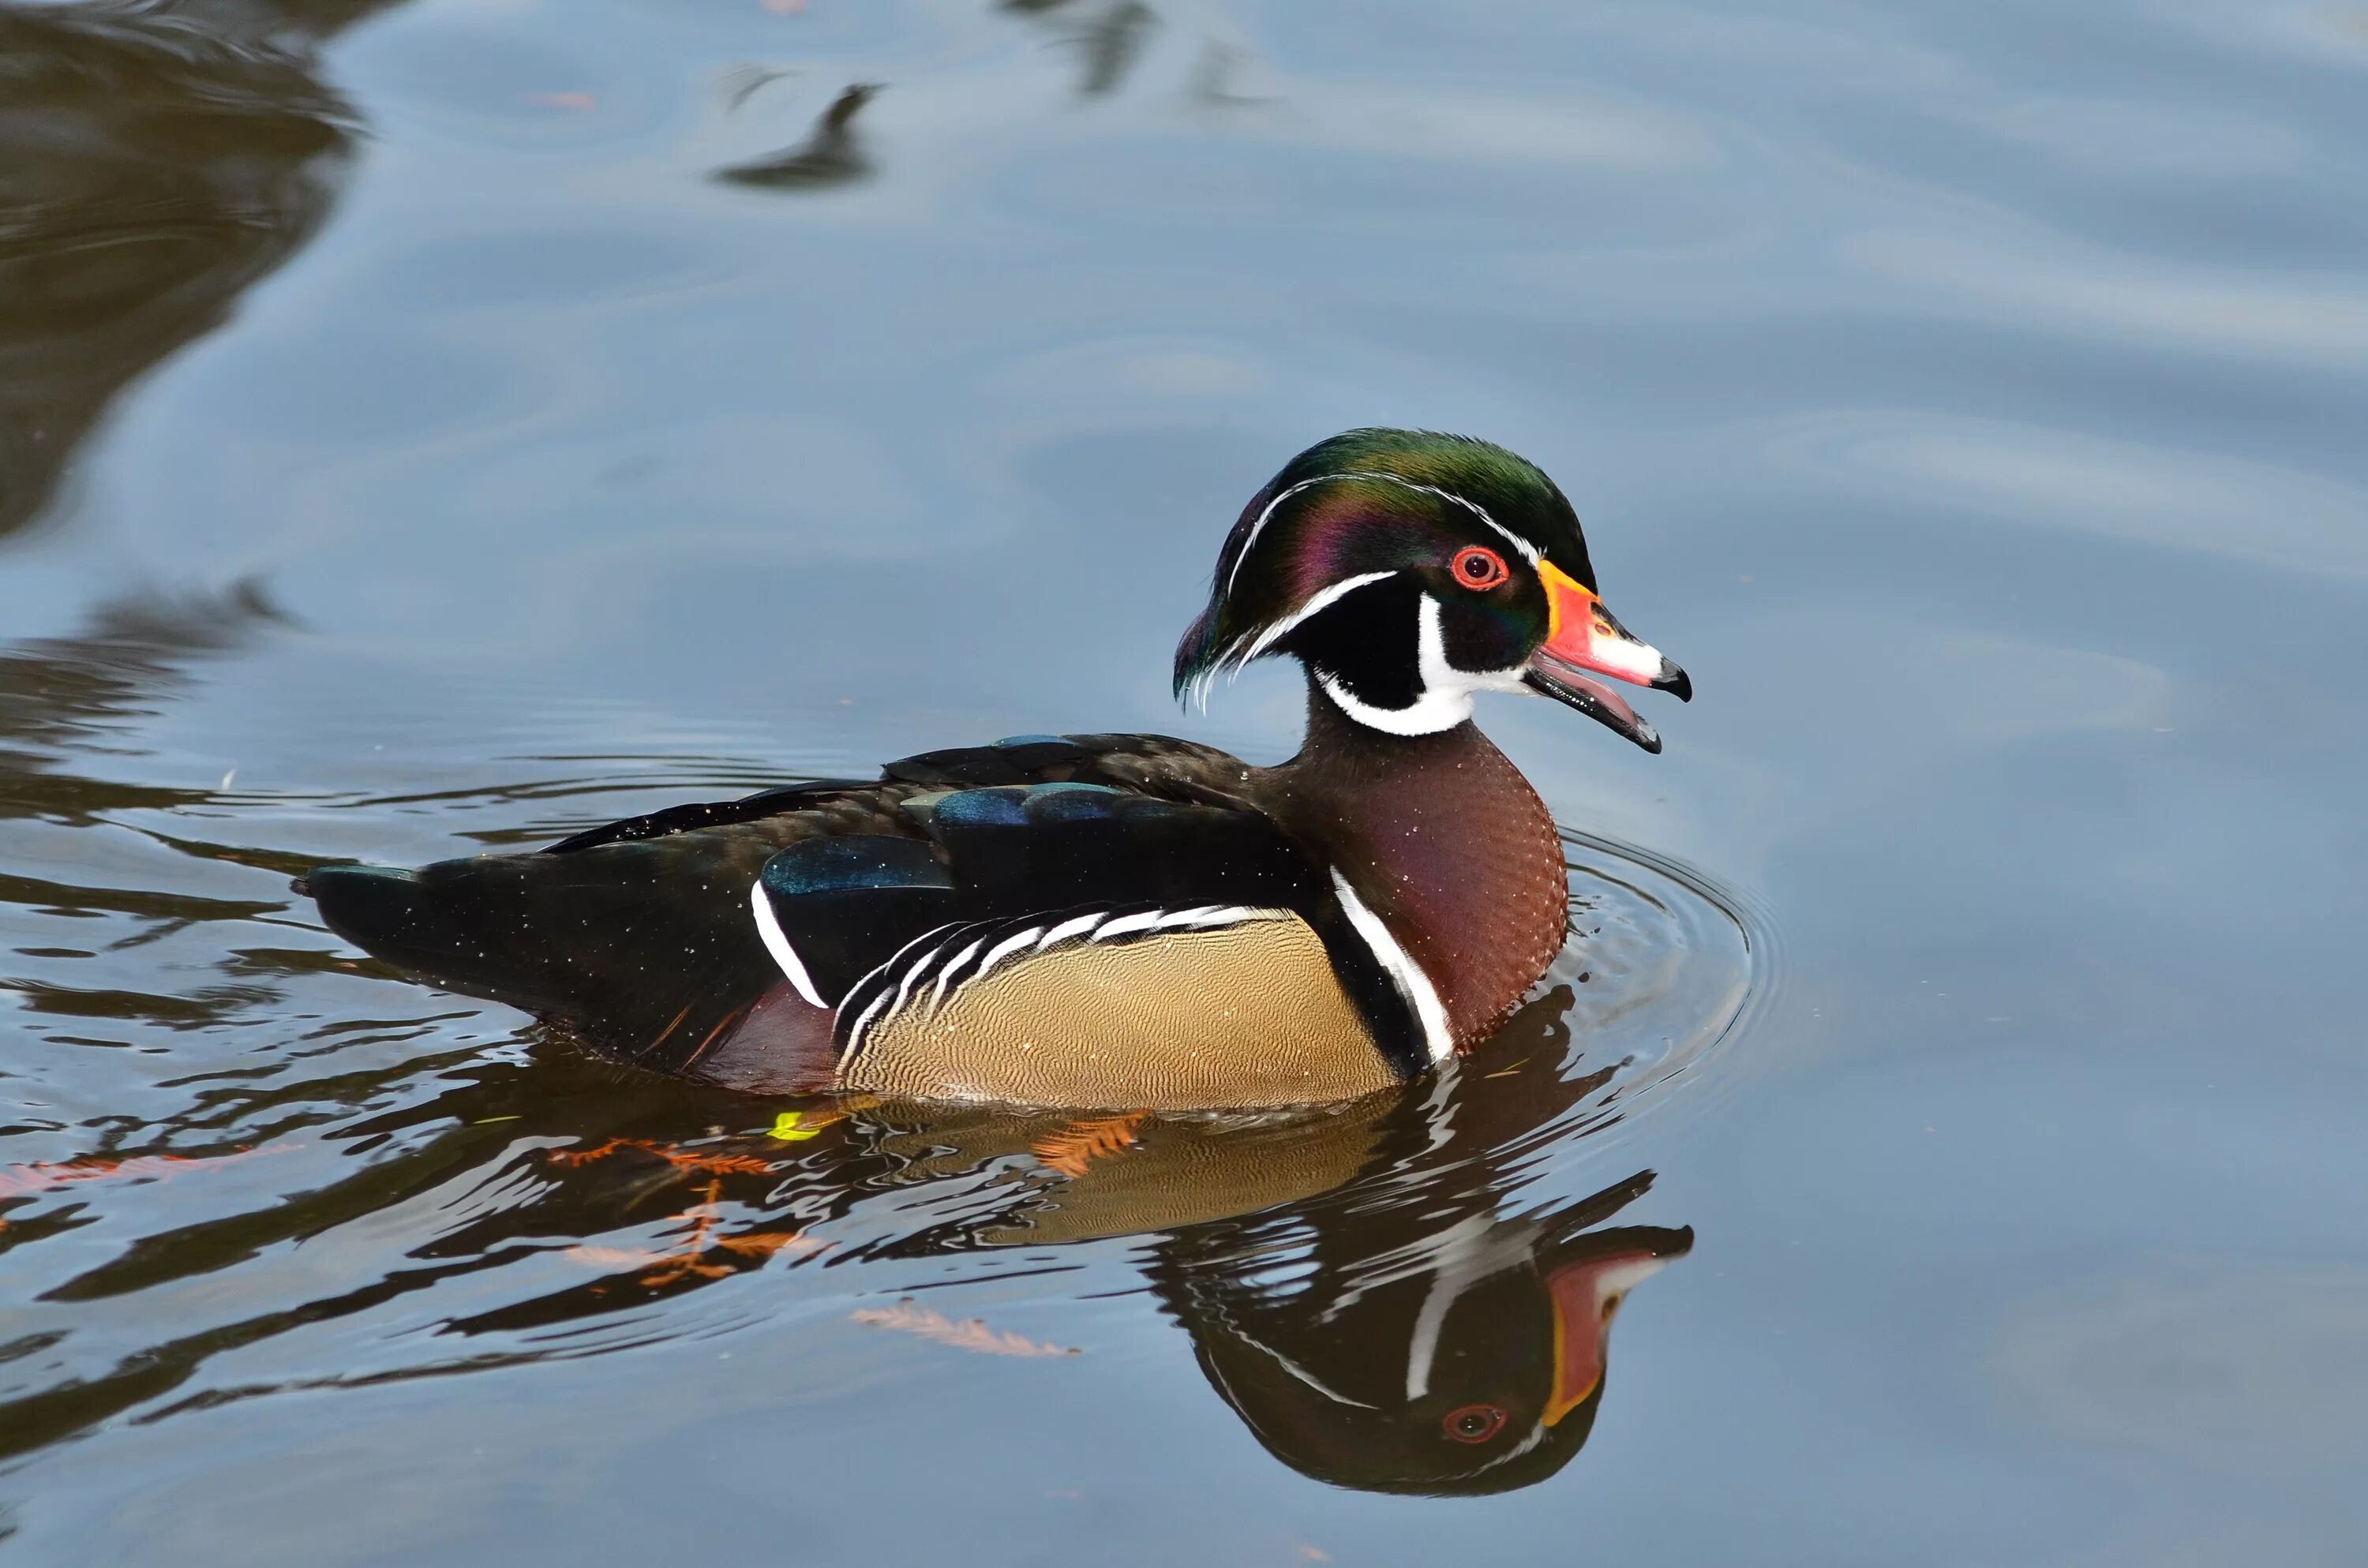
(1123, 921)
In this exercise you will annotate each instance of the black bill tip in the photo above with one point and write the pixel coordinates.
(1674, 681)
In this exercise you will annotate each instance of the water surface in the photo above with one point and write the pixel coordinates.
(427, 426)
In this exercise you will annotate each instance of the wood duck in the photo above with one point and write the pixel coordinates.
(1109, 920)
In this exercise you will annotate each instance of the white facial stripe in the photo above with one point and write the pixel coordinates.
(1415, 985)
(1258, 527)
(1313, 607)
(1301, 1373)
(1537, 1435)
(1446, 699)
(777, 942)
(1422, 1345)
(1528, 551)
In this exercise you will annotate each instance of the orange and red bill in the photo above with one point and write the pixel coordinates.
(1585, 640)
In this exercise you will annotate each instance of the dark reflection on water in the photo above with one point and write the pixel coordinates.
(1433, 1347)
(155, 160)
(831, 156)
(1353, 1282)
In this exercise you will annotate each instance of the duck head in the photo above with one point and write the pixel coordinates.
(1409, 569)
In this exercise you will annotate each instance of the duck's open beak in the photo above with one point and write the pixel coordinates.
(1583, 636)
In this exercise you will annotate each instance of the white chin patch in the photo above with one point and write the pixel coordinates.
(1446, 700)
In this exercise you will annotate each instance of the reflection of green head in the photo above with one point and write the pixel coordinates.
(1464, 1362)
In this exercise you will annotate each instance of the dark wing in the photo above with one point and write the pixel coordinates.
(642, 933)
(645, 949)
(1159, 766)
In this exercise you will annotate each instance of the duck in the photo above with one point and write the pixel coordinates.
(1123, 921)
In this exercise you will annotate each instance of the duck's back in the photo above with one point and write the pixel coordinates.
(1091, 919)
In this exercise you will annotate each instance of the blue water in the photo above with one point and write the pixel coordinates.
(413, 440)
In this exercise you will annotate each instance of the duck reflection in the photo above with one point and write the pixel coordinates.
(1362, 1285)
(1390, 1327)
(155, 162)
(1462, 1357)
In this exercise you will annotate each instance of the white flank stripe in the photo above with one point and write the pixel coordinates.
(1402, 968)
(1119, 925)
(1233, 914)
(1005, 949)
(777, 942)
(920, 966)
(1068, 928)
(855, 1035)
(880, 972)
(945, 976)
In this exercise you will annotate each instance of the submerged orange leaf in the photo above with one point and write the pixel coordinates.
(41, 1175)
(765, 1243)
(672, 1153)
(970, 1333)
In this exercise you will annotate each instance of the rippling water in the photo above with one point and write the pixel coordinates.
(430, 425)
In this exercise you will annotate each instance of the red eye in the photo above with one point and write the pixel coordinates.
(1479, 568)
(1475, 1423)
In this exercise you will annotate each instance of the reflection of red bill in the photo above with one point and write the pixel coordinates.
(1585, 1297)
(1583, 638)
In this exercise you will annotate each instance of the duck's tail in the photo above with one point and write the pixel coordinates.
(648, 958)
